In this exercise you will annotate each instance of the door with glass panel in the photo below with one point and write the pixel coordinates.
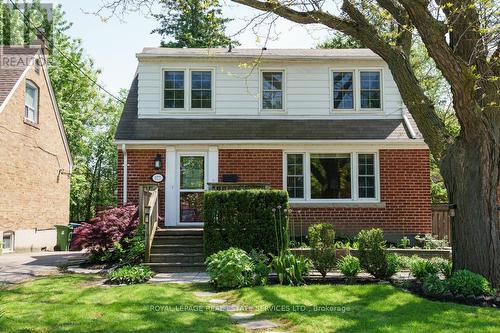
(192, 180)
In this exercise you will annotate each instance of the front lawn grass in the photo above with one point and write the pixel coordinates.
(364, 308)
(73, 303)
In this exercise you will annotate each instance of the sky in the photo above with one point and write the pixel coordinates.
(113, 43)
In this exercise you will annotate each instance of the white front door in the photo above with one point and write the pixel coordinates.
(192, 183)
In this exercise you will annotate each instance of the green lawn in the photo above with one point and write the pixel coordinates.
(71, 303)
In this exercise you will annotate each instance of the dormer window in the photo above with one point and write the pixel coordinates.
(370, 89)
(173, 94)
(272, 90)
(31, 102)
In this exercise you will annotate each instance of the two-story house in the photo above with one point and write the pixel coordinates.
(35, 160)
(328, 126)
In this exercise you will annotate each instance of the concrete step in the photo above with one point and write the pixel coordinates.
(176, 248)
(185, 258)
(180, 232)
(176, 267)
(178, 240)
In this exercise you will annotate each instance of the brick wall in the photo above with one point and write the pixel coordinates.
(405, 190)
(264, 165)
(140, 170)
(404, 180)
(33, 193)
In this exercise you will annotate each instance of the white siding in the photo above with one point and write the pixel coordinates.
(307, 88)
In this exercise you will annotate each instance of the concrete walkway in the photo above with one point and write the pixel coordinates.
(196, 277)
(18, 267)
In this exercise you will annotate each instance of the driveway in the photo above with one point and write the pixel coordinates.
(17, 267)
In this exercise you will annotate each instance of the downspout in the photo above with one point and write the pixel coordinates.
(407, 122)
(125, 173)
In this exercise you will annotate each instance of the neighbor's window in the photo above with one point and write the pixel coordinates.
(272, 90)
(366, 176)
(8, 241)
(31, 102)
(201, 89)
(370, 89)
(343, 90)
(330, 176)
(295, 175)
(173, 95)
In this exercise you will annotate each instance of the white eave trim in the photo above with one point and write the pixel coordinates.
(399, 142)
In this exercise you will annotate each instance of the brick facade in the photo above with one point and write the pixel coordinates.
(404, 180)
(264, 165)
(404, 189)
(140, 170)
(35, 184)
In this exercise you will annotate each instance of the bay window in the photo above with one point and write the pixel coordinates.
(331, 176)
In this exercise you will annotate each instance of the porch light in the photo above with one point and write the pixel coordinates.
(157, 162)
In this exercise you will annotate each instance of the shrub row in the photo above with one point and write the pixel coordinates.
(245, 219)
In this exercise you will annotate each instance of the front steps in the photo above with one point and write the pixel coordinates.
(177, 250)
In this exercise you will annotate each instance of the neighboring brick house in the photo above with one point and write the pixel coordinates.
(328, 126)
(34, 154)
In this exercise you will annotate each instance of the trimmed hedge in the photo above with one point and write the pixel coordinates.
(244, 219)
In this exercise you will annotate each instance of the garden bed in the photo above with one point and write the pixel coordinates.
(422, 253)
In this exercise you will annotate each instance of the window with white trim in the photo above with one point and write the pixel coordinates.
(31, 102)
(295, 175)
(331, 176)
(201, 89)
(272, 90)
(343, 90)
(370, 89)
(173, 89)
(8, 241)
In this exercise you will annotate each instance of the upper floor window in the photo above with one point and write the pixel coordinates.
(173, 95)
(272, 90)
(31, 102)
(201, 89)
(370, 89)
(343, 90)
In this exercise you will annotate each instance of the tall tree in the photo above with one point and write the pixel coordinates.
(192, 23)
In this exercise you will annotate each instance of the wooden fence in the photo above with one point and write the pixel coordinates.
(441, 221)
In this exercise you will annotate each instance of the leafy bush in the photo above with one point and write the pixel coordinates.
(372, 254)
(443, 265)
(130, 274)
(322, 240)
(404, 243)
(420, 268)
(468, 283)
(404, 262)
(290, 269)
(428, 241)
(392, 264)
(231, 268)
(433, 285)
(243, 219)
(262, 267)
(349, 266)
(107, 233)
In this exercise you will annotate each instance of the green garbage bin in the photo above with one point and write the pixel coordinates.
(63, 237)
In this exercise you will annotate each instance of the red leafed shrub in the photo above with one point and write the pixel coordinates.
(109, 227)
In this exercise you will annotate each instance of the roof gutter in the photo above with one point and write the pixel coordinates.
(125, 173)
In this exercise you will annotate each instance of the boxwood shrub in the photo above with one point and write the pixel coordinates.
(244, 219)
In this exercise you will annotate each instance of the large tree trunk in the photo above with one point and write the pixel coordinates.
(470, 169)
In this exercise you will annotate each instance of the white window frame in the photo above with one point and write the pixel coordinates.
(354, 92)
(31, 84)
(380, 71)
(354, 175)
(357, 90)
(283, 90)
(12, 241)
(206, 69)
(162, 93)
